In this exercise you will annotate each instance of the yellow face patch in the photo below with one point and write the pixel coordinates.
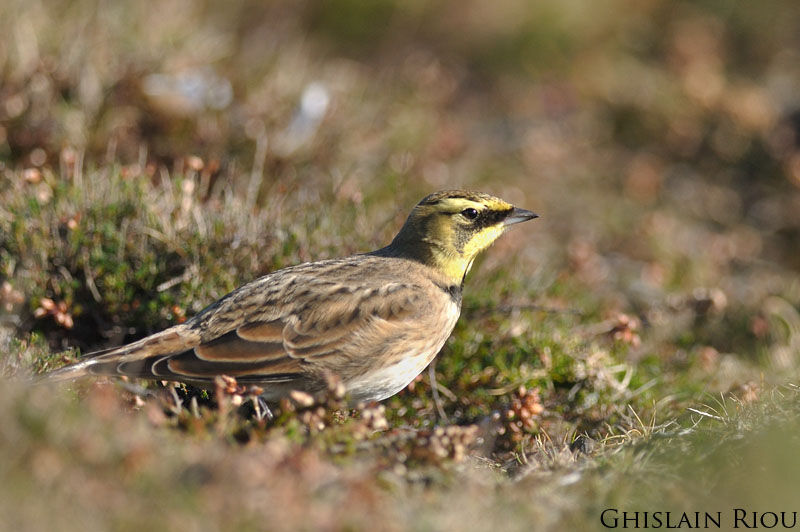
(456, 205)
(448, 229)
(483, 239)
(459, 244)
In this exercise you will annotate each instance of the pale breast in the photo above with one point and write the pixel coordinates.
(409, 356)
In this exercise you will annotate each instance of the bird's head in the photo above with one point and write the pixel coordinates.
(447, 229)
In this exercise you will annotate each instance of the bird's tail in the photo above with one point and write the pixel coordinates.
(107, 361)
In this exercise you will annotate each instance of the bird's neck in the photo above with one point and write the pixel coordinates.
(452, 265)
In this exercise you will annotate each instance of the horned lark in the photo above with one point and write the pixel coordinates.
(375, 320)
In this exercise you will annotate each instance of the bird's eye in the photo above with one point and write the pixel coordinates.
(470, 213)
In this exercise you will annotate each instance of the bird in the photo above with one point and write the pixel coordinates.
(372, 321)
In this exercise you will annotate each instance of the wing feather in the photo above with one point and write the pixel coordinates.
(231, 347)
(189, 365)
(284, 345)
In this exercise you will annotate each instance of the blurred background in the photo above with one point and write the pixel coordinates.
(660, 140)
(154, 156)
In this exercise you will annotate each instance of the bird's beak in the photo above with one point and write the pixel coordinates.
(519, 215)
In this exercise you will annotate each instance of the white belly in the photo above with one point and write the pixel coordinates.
(383, 383)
